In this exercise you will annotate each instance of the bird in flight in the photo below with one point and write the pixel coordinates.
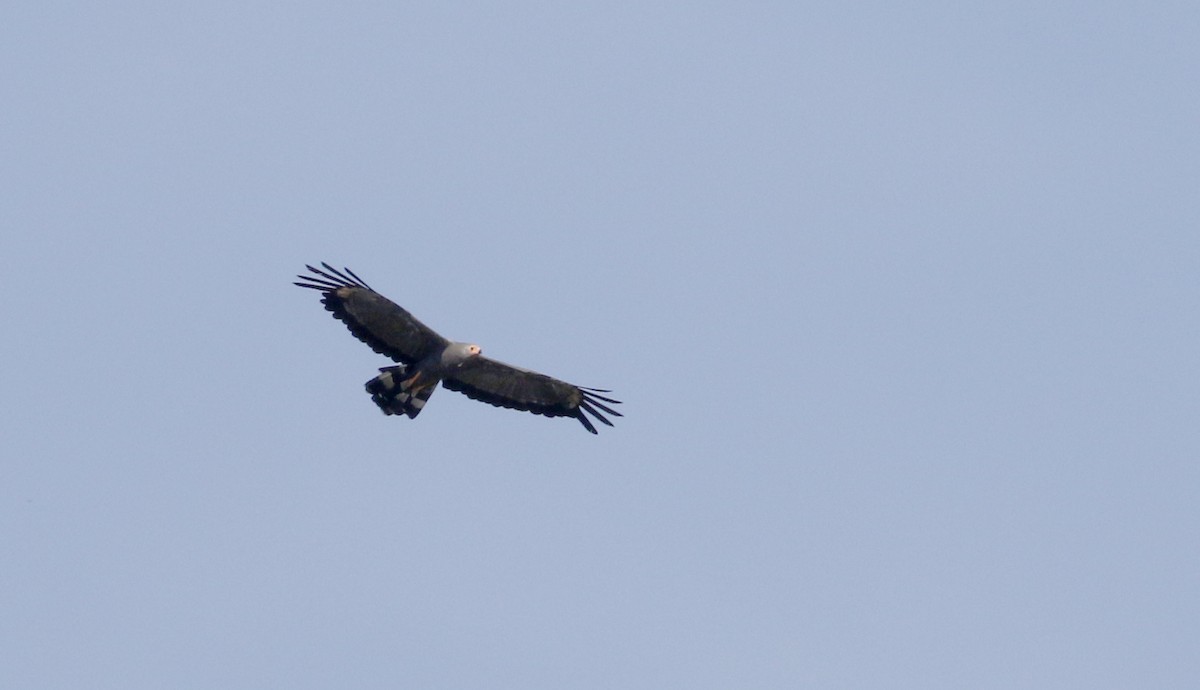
(425, 358)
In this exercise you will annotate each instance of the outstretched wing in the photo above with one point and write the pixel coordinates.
(504, 385)
(374, 319)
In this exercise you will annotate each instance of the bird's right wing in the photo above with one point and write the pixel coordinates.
(504, 385)
(374, 319)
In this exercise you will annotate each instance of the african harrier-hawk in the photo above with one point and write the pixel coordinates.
(424, 358)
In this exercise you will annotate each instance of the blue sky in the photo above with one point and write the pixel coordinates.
(901, 300)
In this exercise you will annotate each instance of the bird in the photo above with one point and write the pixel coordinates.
(424, 358)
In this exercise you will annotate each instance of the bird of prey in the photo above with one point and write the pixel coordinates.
(424, 358)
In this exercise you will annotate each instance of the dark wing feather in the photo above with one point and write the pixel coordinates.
(504, 385)
(374, 319)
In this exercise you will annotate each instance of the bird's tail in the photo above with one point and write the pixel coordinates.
(395, 392)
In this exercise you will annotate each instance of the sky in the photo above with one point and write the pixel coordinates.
(901, 300)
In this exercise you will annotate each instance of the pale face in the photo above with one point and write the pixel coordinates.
(458, 353)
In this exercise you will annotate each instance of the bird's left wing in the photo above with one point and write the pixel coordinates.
(374, 319)
(504, 385)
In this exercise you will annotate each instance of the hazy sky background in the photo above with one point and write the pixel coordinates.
(901, 300)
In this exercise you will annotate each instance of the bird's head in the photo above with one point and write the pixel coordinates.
(458, 354)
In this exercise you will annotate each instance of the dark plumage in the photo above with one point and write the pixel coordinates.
(425, 358)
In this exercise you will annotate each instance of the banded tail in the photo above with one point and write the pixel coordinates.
(392, 391)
